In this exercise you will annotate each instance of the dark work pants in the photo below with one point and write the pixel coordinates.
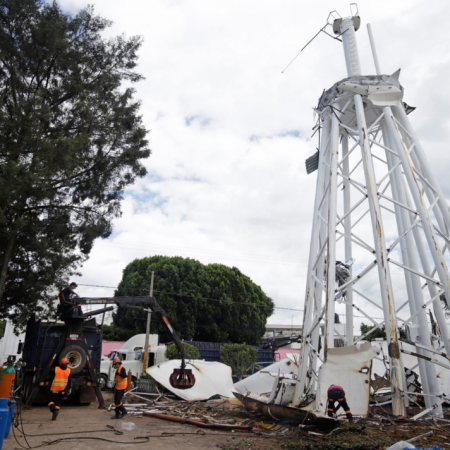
(118, 402)
(336, 395)
(54, 401)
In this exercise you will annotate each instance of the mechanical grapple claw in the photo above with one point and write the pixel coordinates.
(182, 378)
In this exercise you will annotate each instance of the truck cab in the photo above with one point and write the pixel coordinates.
(132, 356)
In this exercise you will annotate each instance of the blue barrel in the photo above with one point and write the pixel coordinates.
(4, 413)
(10, 416)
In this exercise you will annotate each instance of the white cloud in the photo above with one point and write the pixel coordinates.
(212, 192)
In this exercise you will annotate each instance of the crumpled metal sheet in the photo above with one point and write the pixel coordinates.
(262, 382)
(349, 367)
(211, 378)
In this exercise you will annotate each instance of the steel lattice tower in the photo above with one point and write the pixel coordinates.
(377, 201)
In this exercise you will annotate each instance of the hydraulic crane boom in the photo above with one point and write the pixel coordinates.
(181, 378)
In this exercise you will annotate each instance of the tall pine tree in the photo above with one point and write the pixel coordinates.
(71, 140)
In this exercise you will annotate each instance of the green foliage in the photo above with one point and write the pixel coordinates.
(189, 291)
(71, 140)
(114, 333)
(172, 352)
(379, 333)
(240, 357)
(2, 328)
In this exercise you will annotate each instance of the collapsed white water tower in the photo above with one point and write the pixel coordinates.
(378, 203)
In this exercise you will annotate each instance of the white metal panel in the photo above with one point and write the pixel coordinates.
(262, 382)
(348, 367)
(211, 378)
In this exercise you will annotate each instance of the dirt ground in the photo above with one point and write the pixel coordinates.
(93, 429)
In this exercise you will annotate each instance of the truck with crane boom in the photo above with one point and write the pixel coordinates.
(78, 338)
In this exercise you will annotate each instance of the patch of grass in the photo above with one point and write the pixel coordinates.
(340, 442)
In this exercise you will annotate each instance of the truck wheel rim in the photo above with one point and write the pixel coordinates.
(74, 359)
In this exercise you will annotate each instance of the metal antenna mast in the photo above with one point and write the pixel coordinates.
(378, 201)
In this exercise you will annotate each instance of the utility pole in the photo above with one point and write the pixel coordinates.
(147, 331)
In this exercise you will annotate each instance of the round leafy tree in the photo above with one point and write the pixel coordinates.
(172, 352)
(240, 357)
(212, 303)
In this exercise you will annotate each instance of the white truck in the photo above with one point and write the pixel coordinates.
(132, 356)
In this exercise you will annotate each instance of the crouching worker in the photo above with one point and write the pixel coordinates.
(337, 394)
(60, 387)
(120, 387)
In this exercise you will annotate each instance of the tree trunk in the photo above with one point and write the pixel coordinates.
(6, 259)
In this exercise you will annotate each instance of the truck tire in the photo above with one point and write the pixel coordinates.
(76, 356)
(102, 381)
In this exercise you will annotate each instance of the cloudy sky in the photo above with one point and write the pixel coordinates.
(230, 133)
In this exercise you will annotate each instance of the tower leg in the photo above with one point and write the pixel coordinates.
(384, 276)
(413, 287)
(348, 241)
(331, 237)
(313, 295)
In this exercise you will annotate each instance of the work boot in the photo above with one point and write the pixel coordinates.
(117, 416)
(123, 414)
(55, 414)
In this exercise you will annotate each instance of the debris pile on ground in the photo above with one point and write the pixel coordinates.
(379, 430)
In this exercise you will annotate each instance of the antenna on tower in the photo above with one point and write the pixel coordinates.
(322, 30)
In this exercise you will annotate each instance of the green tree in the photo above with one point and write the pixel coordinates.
(172, 352)
(113, 333)
(71, 140)
(212, 303)
(379, 333)
(240, 357)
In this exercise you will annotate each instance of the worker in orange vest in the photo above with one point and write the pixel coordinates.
(120, 381)
(59, 388)
(337, 394)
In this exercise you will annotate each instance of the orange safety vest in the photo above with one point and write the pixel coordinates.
(61, 379)
(121, 383)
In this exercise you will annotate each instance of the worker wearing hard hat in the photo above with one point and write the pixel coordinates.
(120, 387)
(337, 394)
(60, 387)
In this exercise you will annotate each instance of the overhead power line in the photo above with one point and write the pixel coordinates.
(235, 258)
(197, 297)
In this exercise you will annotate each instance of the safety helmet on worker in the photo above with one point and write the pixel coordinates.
(116, 361)
(64, 361)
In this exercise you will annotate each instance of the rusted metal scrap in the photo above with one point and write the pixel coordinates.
(280, 412)
(198, 423)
